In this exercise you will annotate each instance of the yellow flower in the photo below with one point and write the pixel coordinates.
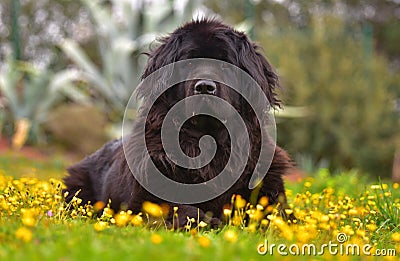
(121, 219)
(137, 220)
(396, 237)
(227, 212)
(156, 239)
(204, 241)
(230, 236)
(307, 184)
(240, 202)
(29, 216)
(152, 209)
(263, 201)
(396, 185)
(24, 234)
(371, 227)
(100, 226)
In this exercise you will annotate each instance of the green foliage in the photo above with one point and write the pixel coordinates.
(124, 31)
(31, 93)
(347, 90)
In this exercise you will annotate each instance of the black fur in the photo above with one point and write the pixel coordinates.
(105, 174)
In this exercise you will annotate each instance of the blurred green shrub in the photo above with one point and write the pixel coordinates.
(347, 90)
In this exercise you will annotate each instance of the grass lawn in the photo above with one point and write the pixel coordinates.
(35, 223)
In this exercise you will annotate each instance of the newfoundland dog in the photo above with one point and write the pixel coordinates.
(107, 175)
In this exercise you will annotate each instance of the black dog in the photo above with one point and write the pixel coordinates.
(106, 175)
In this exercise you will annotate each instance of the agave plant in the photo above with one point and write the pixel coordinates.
(124, 30)
(30, 94)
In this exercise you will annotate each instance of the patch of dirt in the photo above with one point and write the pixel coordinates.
(26, 151)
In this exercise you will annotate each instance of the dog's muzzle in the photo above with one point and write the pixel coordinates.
(205, 87)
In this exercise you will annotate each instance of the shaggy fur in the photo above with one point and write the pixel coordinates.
(105, 174)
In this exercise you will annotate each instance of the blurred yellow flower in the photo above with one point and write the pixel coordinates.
(156, 239)
(152, 209)
(263, 201)
(122, 219)
(137, 220)
(240, 202)
(204, 241)
(396, 237)
(24, 234)
(100, 226)
(230, 236)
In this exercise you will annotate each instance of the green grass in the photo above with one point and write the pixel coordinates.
(74, 237)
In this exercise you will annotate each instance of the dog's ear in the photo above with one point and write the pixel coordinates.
(255, 64)
(167, 53)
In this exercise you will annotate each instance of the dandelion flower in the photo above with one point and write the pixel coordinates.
(240, 202)
(100, 226)
(152, 209)
(156, 239)
(24, 234)
(396, 237)
(204, 241)
(230, 236)
(137, 220)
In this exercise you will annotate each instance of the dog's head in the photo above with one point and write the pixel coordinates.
(214, 40)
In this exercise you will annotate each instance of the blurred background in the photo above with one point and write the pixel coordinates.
(67, 69)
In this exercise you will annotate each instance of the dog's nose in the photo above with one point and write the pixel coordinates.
(205, 87)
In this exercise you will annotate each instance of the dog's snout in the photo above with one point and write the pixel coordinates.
(205, 87)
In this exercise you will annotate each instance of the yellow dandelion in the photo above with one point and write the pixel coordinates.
(371, 227)
(240, 202)
(396, 185)
(288, 211)
(204, 241)
(324, 218)
(353, 212)
(307, 184)
(396, 237)
(100, 226)
(252, 228)
(265, 222)
(263, 201)
(152, 209)
(29, 221)
(230, 236)
(227, 212)
(156, 239)
(193, 232)
(29, 216)
(122, 219)
(24, 234)
(375, 187)
(137, 220)
(361, 233)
